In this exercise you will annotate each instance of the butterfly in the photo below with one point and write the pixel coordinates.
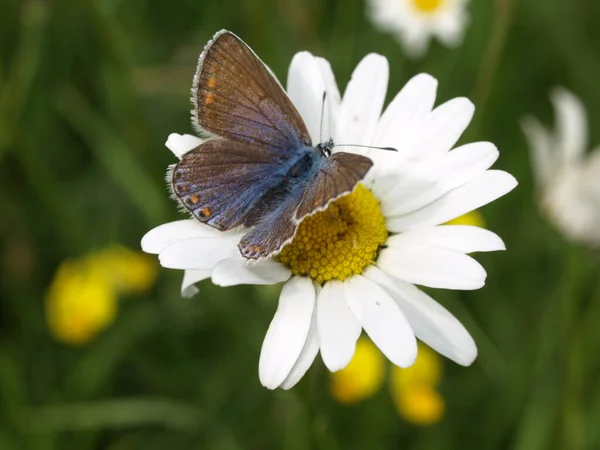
(259, 168)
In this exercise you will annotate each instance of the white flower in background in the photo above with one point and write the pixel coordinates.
(355, 265)
(568, 179)
(414, 22)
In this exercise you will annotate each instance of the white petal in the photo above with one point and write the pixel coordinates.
(180, 144)
(592, 170)
(198, 253)
(441, 130)
(460, 238)
(430, 321)
(544, 160)
(414, 101)
(363, 101)
(307, 355)
(287, 332)
(433, 178)
(305, 86)
(450, 27)
(431, 266)
(190, 278)
(234, 271)
(571, 125)
(337, 325)
(382, 320)
(414, 39)
(155, 240)
(484, 189)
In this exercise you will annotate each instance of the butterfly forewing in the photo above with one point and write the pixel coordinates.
(338, 175)
(220, 181)
(236, 97)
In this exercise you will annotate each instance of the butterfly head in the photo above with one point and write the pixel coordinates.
(324, 148)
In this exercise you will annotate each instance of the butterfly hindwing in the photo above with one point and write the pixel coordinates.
(220, 181)
(273, 232)
(236, 97)
(337, 175)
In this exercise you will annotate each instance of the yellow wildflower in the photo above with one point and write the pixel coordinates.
(362, 377)
(420, 404)
(80, 303)
(83, 297)
(474, 218)
(129, 271)
(413, 389)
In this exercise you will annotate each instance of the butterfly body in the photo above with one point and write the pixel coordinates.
(259, 168)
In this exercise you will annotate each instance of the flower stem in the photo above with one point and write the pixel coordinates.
(570, 354)
(493, 52)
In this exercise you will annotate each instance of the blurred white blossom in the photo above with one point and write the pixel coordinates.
(414, 22)
(568, 179)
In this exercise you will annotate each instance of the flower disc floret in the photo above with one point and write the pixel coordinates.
(339, 242)
(427, 6)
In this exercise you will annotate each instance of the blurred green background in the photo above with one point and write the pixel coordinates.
(90, 90)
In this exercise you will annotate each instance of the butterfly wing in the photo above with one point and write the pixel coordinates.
(220, 181)
(235, 96)
(338, 175)
(272, 233)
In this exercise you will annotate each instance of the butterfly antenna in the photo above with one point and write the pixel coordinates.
(322, 116)
(391, 149)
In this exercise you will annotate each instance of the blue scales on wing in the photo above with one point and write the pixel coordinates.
(328, 179)
(220, 181)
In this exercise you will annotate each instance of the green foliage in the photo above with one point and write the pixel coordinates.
(89, 91)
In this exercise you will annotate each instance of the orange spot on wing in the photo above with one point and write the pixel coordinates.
(195, 199)
(209, 99)
(211, 82)
(205, 212)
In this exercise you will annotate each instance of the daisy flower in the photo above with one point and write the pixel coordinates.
(356, 265)
(568, 180)
(414, 22)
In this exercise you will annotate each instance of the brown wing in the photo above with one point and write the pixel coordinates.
(337, 176)
(220, 181)
(235, 96)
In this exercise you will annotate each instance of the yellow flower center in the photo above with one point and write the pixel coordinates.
(427, 6)
(340, 241)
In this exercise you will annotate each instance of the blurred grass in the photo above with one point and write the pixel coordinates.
(89, 91)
